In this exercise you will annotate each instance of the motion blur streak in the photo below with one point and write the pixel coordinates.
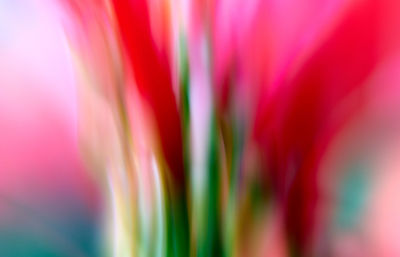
(199, 128)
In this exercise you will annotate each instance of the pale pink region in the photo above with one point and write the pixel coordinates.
(38, 111)
(382, 224)
(272, 238)
(226, 12)
(374, 131)
(348, 245)
(143, 145)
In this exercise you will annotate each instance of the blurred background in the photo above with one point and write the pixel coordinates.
(199, 128)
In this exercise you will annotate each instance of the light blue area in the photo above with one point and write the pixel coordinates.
(353, 195)
(63, 228)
